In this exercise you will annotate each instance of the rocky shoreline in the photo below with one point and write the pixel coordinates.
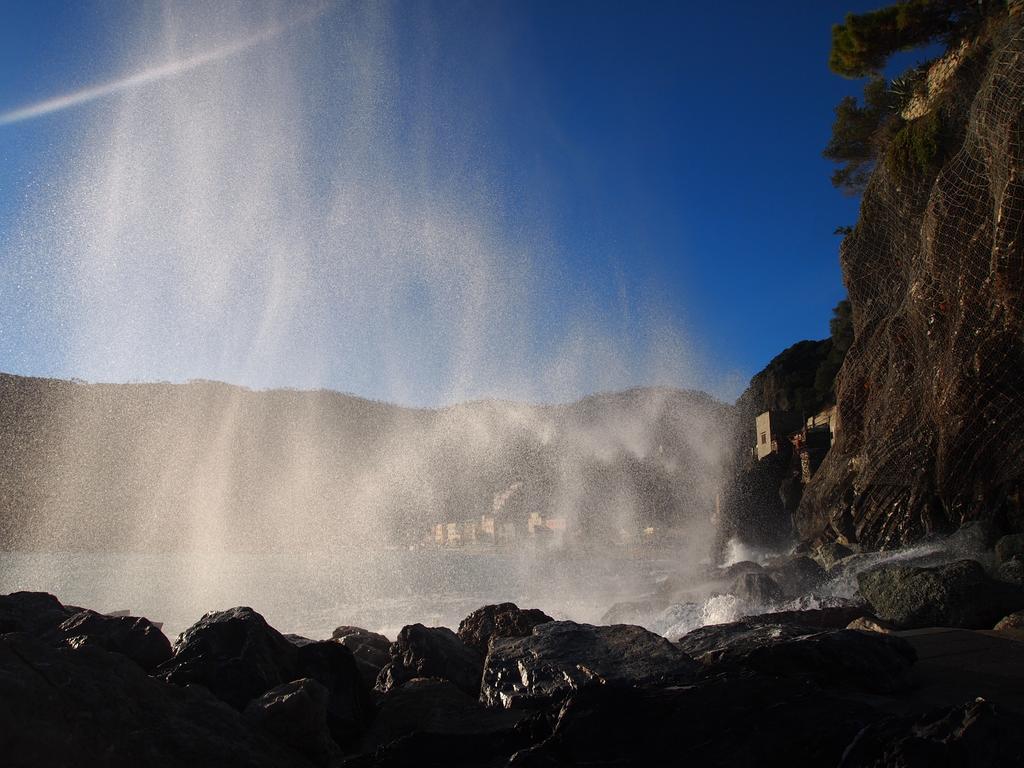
(854, 684)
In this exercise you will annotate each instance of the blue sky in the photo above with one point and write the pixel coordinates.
(656, 166)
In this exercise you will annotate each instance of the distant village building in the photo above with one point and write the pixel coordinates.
(454, 536)
(773, 427)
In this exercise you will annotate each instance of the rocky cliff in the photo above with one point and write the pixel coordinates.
(931, 393)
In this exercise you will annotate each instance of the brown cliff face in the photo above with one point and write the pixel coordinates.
(931, 393)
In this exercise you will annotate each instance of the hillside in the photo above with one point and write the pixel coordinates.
(208, 465)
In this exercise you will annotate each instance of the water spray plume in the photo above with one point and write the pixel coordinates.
(154, 74)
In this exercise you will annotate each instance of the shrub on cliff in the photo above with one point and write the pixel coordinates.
(863, 42)
(858, 131)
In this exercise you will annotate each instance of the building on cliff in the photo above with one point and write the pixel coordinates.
(773, 427)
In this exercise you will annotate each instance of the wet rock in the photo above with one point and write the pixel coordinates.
(296, 714)
(732, 572)
(33, 612)
(425, 717)
(871, 624)
(238, 657)
(1012, 571)
(796, 574)
(974, 734)
(736, 719)
(632, 611)
(678, 619)
(370, 649)
(840, 658)
(1008, 546)
(421, 651)
(1013, 621)
(137, 638)
(958, 594)
(560, 657)
(87, 707)
(833, 617)
(233, 653)
(349, 706)
(973, 537)
(757, 588)
(503, 620)
(830, 553)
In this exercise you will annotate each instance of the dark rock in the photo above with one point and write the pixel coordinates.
(371, 650)
(973, 537)
(957, 594)
(830, 553)
(757, 588)
(632, 611)
(838, 658)
(732, 572)
(1012, 570)
(33, 612)
(796, 574)
(725, 720)
(1008, 546)
(438, 712)
(974, 734)
(503, 620)
(89, 707)
(349, 706)
(233, 653)
(560, 657)
(296, 714)
(238, 656)
(871, 624)
(136, 638)
(837, 617)
(1013, 621)
(421, 651)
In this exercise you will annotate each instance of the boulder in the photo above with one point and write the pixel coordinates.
(233, 653)
(370, 649)
(86, 707)
(425, 718)
(632, 611)
(137, 638)
(796, 574)
(732, 572)
(560, 657)
(833, 617)
(421, 651)
(958, 594)
(238, 657)
(1012, 570)
(973, 734)
(830, 553)
(739, 718)
(296, 714)
(1008, 546)
(33, 612)
(503, 620)
(842, 658)
(1013, 621)
(757, 588)
(349, 705)
(870, 624)
(973, 537)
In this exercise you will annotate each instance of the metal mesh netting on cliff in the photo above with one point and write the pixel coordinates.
(931, 394)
